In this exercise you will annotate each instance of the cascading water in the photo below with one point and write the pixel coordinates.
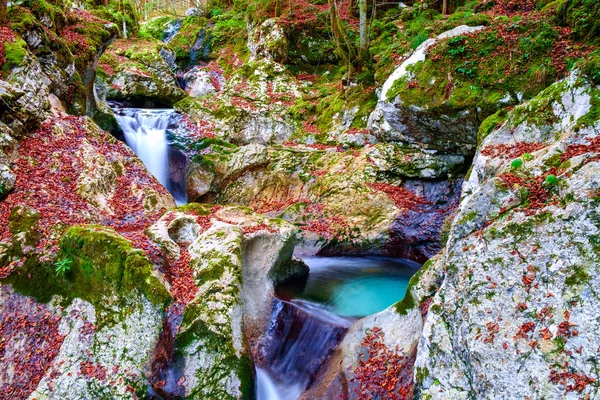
(301, 336)
(172, 30)
(303, 332)
(145, 131)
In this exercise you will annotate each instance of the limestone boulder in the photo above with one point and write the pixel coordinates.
(268, 40)
(394, 121)
(236, 259)
(521, 263)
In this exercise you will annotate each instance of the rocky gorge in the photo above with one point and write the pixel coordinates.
(230, 201)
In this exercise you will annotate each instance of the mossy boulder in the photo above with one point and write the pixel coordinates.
(108, 306)
(406, 119)
(252, 106)
(139, 74)
(192, 41)
(236, 258)
(328, 192)
(268, 40)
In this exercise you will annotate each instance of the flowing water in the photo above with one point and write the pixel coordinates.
(145, 131)
(171, 30)
(311, 319)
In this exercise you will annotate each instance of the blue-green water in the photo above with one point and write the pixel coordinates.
(357, 286)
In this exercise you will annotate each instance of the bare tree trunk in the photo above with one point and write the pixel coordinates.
(345, 48)
(123, 18)
(445, 7)
(363, 29)
(2, 11)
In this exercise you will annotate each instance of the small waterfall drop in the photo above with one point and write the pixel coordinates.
(309, 319)
(301, 336)
(171, 30)
(266, 388)
(145, 131)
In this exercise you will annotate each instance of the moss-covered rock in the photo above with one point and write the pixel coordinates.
(429, 123)
(192, 42)
(268, 40)
(108, 305)
(138, 74)
(327, 192)
(235, 257)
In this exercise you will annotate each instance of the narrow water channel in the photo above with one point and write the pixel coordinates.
(309, 321)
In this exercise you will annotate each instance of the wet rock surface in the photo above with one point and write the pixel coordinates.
(418, 234)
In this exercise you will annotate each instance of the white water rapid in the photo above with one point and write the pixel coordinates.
(145, 131)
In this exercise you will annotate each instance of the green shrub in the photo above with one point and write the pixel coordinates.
(63, 266)
(551, 180)
(516, 163)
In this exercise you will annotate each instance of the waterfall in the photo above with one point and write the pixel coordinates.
(303, 332)
(266, 389)
(301, 335)
(145, 131)
(171, 30)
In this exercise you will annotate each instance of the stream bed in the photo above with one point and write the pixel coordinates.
(309, 318)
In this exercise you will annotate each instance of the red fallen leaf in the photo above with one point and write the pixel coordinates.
(385, 373)
(512, 150)
(546, 334)
(402, 197)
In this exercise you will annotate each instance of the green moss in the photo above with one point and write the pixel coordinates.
(559, 343)
(155, 27)
(214, 142)
(116, 11)
(490, 124)
(422, 374)
(185, 39)
(520, 231)
(196, 208)
(408, 302)
(215, 341)
(22, 220)
(102, 265)
(470, 216)
(593, 115)
(583, 16)
(107, 122)
(15, 53)
(578, 276)
(214, 270)
(482, 80)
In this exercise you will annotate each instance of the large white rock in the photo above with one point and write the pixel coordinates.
(516, 314)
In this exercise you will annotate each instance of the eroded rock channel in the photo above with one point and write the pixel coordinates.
(299, 201)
